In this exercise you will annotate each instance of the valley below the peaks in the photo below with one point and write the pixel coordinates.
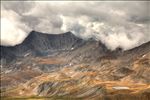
(66, 67)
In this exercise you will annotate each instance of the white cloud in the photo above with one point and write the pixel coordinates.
(12, 31)
(123, 24)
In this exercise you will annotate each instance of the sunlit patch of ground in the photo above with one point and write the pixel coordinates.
(111, 89)
(49, 60)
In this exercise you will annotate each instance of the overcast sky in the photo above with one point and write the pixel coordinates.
(117, 24)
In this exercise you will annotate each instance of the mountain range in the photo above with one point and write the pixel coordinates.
(67, 66)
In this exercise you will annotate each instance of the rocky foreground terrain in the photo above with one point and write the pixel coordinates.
(66, 67)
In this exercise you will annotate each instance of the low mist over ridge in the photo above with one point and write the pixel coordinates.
(116, 24)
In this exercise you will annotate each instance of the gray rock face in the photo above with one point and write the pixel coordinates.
(38, 44)
(58, 88)
(44, 88)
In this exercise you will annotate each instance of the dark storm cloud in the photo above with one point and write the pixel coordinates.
(124, 24)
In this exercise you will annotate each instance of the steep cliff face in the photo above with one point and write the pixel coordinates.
(38, 43)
